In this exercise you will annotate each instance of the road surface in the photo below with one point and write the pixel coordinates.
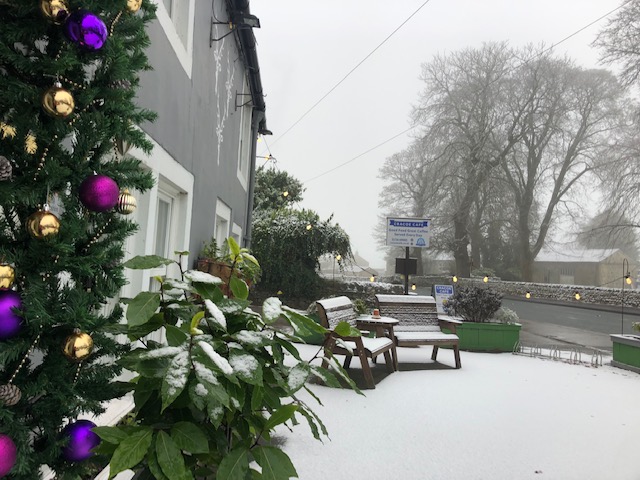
(546, 324)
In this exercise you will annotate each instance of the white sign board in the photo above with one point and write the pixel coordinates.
(408, 232)
(442, 294)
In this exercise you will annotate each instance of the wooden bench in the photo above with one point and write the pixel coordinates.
(334, 310)
(419, 323)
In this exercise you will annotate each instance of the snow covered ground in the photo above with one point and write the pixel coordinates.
(501, 417)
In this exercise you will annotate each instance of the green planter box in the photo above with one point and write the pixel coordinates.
(488, 337)
(626, 352)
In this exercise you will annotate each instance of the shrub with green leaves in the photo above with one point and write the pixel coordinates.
(506, 315)
(208, 398)
(474, 304)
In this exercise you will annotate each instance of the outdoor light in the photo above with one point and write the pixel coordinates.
(626, 276)
(485, 279)
(338, 257)
(280, 292)
(246, 20)
(285, 194)
(455, 279)
(372, 278)
(309, 227)
(239, 21)
(413, 286)
(577, 296)
(527, 295)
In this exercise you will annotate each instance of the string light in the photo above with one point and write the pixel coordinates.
(372, 278)
(285, 194)
(527, 295)
(576, 295)
(309, 226)
(455, 278)
(338, 257)
(413, 286)
(485, 279)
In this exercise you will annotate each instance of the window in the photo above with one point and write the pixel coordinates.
(236, 233)
(223, 221)
(164, 218)
(167, 225)
(163, 224)
(177, 20)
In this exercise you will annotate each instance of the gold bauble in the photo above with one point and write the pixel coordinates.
(58, 102)
(134, 5)
(42, 224)
(55, 10)
(77, 346)
(126, 203)
(7, 276)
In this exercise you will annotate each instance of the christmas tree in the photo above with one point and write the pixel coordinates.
(69, 71)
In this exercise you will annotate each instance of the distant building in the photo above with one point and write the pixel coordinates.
(359, 267)
(574, 266)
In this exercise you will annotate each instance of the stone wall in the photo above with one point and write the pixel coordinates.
(547, 291)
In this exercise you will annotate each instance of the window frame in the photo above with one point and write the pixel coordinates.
(184, 52)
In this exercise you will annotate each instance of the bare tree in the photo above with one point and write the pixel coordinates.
(619, 41)
(610, 229)
(412, 182)
(463, 101)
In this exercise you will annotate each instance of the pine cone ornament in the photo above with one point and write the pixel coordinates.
(5, 168)
(10, 394)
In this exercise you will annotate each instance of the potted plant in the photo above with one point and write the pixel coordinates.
(229, 261)
(209, 396)
(486, 326)
(626, 350)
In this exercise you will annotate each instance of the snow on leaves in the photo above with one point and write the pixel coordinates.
(216, 313)
(176, 378)
(221, 362)
(197, 276)
(271, 309)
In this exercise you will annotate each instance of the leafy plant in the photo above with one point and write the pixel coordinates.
(210, 250)
(209, 397)
(289, 244)
(506, 315)
(360, 306)
(474, 304)
(241, 260)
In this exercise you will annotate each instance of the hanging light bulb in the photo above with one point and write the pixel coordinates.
(527, 295)
(485, 279)
(455, 278)
(338, 257)
(372, 278)
(576, 295)
(413, 286)
(285, 194)
(627, 279)
(309, 227)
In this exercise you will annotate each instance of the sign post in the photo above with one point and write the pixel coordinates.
(407, 232)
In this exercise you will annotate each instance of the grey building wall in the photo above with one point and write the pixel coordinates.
(189, 112)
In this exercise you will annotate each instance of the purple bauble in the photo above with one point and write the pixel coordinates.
(81, 440)
(86, 29)
(10, 321)
(8, 452)
(99, 193)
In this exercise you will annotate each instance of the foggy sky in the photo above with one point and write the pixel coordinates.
(306, 48)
